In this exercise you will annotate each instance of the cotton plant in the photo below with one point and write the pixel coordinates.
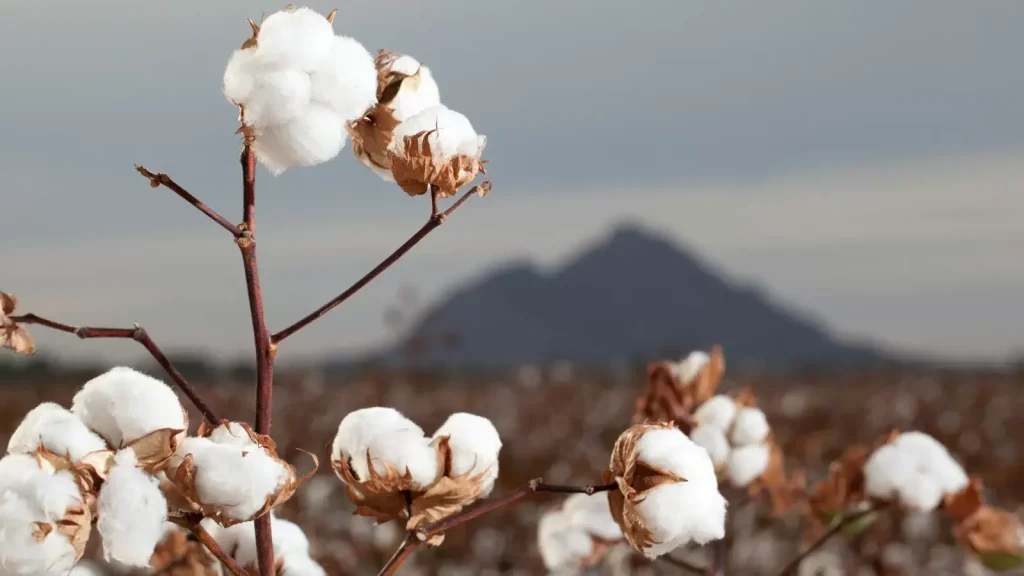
(577, 534)
(666, 490)
(392, 470)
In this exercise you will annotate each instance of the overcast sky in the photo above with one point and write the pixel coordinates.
(861, 161)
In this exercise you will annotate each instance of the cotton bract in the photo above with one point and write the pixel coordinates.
(437, 147)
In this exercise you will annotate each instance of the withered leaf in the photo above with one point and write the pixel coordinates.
(964, 503)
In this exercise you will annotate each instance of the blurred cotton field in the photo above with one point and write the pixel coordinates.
(561, 424)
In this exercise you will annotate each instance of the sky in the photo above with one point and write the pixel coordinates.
(861, 162)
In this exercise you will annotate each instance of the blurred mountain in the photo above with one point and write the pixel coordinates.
(633, 297)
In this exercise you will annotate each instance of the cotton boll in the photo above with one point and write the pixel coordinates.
(407, 452)
(277, 97)
(689, 367)
(312, 138)
(299, 39)
(454, 134)
(747, 464)
(916, 469)
(714, 441)
(346, 82)
(475, 444)
(60, 431)
(563, 546)
(417, 94)
(295, 565)
(921, 492)
(359, 427)
(591, 512)
(669, 449)
(123, 405)
(718, 412)
(934, 459)
(132, 512)
(750, 427)
(886, 471)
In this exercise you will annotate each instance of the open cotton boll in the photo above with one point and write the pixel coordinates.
(123, 405)
(748, 463)
(719, 412)
(921, 492)
(277, 97)
(714, 441)
(234, 481)
(132, 512)
(750, 427)
(591, 512)
(296, 565)
(474, 444)
(295, 38)
(54, 427)
(886, 471)
(359, 427)
(453, 136)
(914, 468)
(407, 452)
(289, 541)
(670, 449)
(563, 545)
(933, 458)
(689, 367)
(417, 94)
(310, 139)
(346, 82)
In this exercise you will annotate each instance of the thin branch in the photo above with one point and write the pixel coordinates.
(191, 523)
(686, 566)
(436, 219)
(139, 334)
(405, 550)
(837, 526)
(158, 179)
(261, 340)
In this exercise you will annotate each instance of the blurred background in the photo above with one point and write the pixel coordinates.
(829, 191)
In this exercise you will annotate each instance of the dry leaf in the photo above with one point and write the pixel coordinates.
(415, 170)
(669, 398)
(993, 533)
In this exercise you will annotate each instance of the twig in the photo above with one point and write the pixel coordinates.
(405, 550)
(436, 219)
(158, 179)
(837, 526)
(207, 540)
(139, 334)
(685, 565)
(261, 339)
(720, 556)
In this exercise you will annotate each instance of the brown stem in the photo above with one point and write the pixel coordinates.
(436, 219)
(261, 339)
(720, 556)
(405, 550)
(215, 548)
(158, 179)
(686, 566)
(139, 334)
(837, 526)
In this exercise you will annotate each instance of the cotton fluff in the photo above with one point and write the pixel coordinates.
(714, 441)
(750, 427)
(123, 405)
(235, 477)
(408, 103)
(299, 86)
(475, 445)
(132, 512)
(291, 547)
(407, 452)
(747, 463)
(914, 469)
(719, 412)
(453, 134)
(563, 544)
(359, 428)
(689, 367)
(33, 503)
(680, 512)
(591, 512)
(58, 430)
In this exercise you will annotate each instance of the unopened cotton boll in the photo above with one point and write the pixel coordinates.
(748, 463)
(714, 441)
(749, 427)
(718, 412)
(123, 405)
(358, 428)
(474, 444)
(132, 512)
(58, 430)
(563, 545)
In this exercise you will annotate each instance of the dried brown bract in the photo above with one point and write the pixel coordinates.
(179, 554)
(843, 487)
(675, 389)
(13, 336)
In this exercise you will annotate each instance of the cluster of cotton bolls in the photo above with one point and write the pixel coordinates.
(303, 90)
(391, 469)
(667, 492)
(914, 469)
(291, 547)
(737, 437)
(577, 534)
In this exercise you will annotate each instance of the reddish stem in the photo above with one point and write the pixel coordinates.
(215, 548)
(408, 546)
(261, 338)
(139, 334)
(436, 219)
(158, 179)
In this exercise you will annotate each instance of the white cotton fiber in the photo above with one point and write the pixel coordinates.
(689, 367)
(475, 444)
(123, 405)
(299, 39)
(277, 97)
(714, 441)
(719, 411)
(61, 432)
(295, 565)
(747, 463)
(593, 514)
(680, 512)
(416, 95)
(407, 452)
(314, 138)
(290, 546)
(347, 81)
(563, 545)
(916, 470)
(454, 134)
(358, 428)
(231, 434)
(235, 480)
(750, 427)
(132, 512)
